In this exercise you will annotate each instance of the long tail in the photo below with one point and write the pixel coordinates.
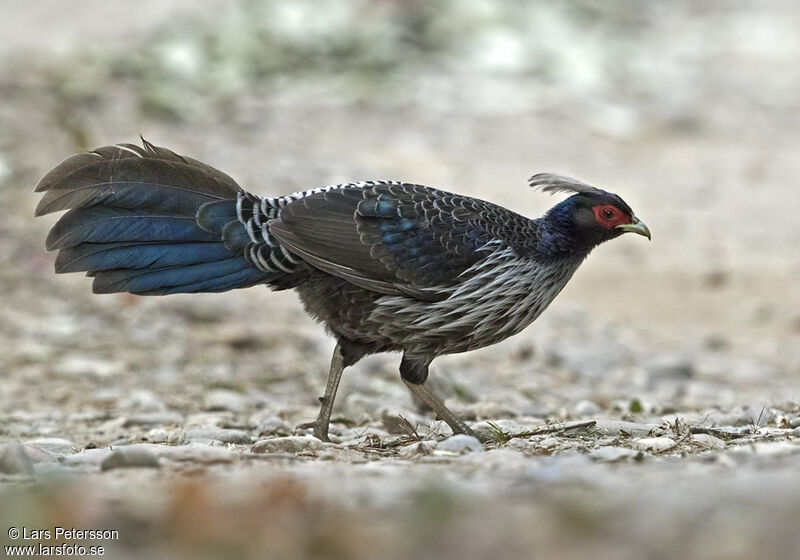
(137, 223)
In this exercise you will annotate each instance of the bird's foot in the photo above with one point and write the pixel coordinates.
(320, 427)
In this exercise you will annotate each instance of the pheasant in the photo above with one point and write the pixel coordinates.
(387, 266)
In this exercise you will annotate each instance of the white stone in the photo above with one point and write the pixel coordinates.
(207, 433)
(222, 399)
(134, 456)
(459, 443)
(288, 444)
(15, 460)
(197, 453)
(616, 427)
(708, 441)
(654, 444)
(587, 408)
(54, 445)
(611, 454)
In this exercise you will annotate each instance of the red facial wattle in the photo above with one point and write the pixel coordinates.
(610, 216)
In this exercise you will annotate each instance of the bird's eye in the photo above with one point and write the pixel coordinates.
(608, 213)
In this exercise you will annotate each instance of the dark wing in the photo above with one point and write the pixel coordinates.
(391, 238)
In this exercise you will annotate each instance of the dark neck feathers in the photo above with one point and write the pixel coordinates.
(559, 236)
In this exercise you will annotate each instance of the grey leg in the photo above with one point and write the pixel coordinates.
(456, 424)
(320, 425)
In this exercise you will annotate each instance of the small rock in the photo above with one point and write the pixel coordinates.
(655, 444)
(794, 422)
(707, 441)
(135, 456)
(549, 443)
(524, 445)
(206, 433)
(153, 419)
(616, 427)
(288, 444)
(419, 448)
(198, 453)
(143, 401)
(587, 408)
(221, 399)
(796, 432)
(161, 435)
(89, 366)
(38, 455)
(87, 457)
(611, 454)
(5, 169)
(15, 460)
(54, 445)
(459, 443)
(269, 425)
(219, 418)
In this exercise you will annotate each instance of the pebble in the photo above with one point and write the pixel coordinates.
(89, 366)
(796, 432)
(87, 457)
(5, 169)
(420, 448)
(153, 419)
(15, 460)
(288, 444)
(198, 453)
(220, 418)
(611, 454)
(213, 433)
(549, 443)
(161, 435)
(654, 444)
(135, 456)
(54, 445)
(708, 441)
(587, 408)
(270, 424)
(222, 399)
(459, 443)
(615, 427)
(142, 400)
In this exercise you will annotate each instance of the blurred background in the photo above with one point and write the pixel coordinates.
(688, 110)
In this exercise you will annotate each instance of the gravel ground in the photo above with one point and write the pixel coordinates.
(652, 412)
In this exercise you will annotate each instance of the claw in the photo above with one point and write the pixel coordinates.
(320, 429)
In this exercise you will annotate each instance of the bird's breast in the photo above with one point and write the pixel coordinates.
(494, 299)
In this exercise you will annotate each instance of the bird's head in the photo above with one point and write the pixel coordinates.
(587, 218)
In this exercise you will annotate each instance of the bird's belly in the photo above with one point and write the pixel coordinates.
(480, 312)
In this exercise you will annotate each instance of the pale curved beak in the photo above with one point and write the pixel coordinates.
(636, 226)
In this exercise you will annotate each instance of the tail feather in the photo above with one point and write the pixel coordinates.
(134, 222)
(108, 256)
(99, 224)
(241, 279)
(213, 216)
(147, 280)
